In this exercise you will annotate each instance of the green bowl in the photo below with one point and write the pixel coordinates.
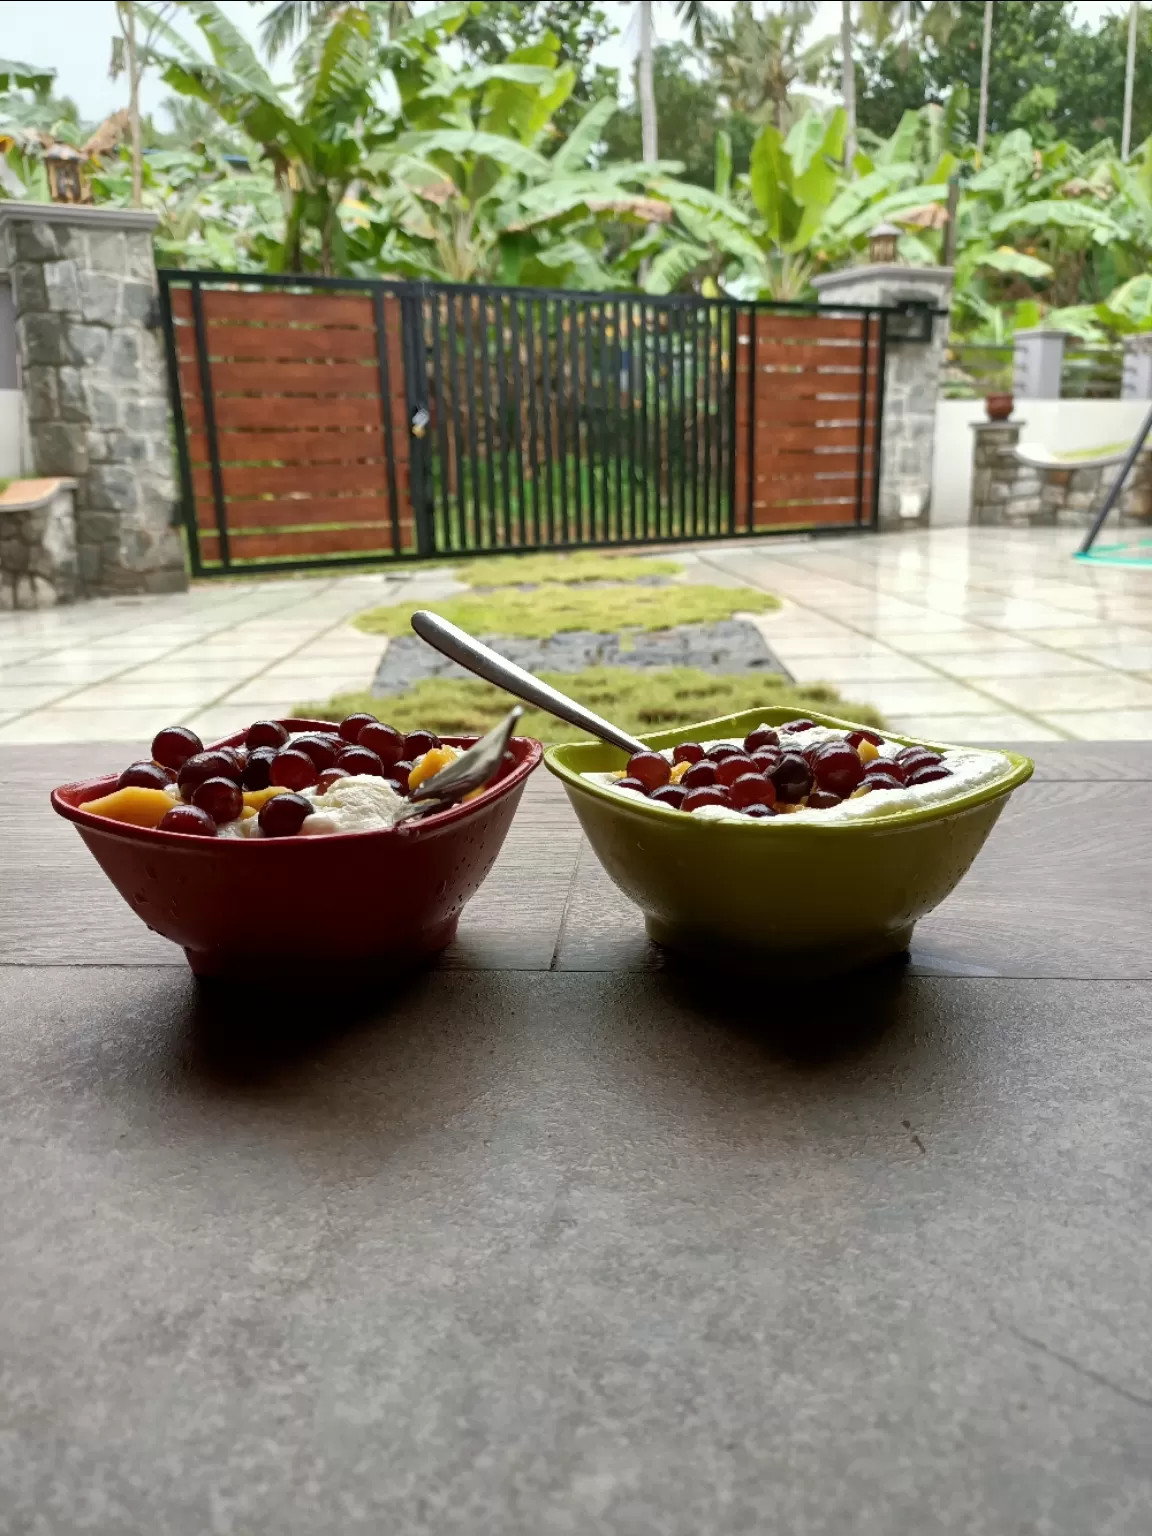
(833, 896)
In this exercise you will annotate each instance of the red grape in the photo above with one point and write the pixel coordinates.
(174, 745)
(221, 798)
(144, 776)
(928, 773)
(238, 756)
(759, 810)
(876, 781)
(189, 819)
(650, 768)
(321, 749)
(416, 743)
(823, 800)
(918, 755)
(398, 774)
(669, 794)
(794, 727)
(887, 767)
(384, 740)
(266, 733)
(292, 769)
(792, 779)
(329, 777)
(857, 736)
(708, 794)
(636, 786)
(733, 768)
(360, 760)
(205, 765)
(258, 768)
(838, 769)
(284, 815)
(352, 725)
(766, 759)
(751, 789)
(687, 752)
(725, 749)
(762, 736)
(700, 775)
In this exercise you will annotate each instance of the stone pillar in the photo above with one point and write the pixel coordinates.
(1136, 378)
(1038, 364)
(1004, 491)
(912, 378)
(95, 384)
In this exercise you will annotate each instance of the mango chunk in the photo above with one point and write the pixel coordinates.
(678, 771)
(868, 751)
(137, 806)
(430, 764)
(255, 798)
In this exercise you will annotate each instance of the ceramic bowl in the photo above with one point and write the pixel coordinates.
(831, 896)
(276, 908)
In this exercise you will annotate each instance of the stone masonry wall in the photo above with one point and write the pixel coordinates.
(95, 386)
(911, 380)
(1007, 493)
(37, 545)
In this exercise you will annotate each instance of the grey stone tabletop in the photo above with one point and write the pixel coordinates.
(557, 1237)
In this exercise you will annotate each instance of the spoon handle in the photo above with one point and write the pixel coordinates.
(494, 668)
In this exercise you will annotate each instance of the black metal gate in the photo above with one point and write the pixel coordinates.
(336, 421)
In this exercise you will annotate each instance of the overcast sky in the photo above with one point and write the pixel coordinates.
(75, 37)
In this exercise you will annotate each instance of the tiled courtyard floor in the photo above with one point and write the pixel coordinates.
(958, 634)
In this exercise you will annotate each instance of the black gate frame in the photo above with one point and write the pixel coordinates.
(416, 310)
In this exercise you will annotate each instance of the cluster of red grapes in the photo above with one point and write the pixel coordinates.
(212, 784)
(764, 775)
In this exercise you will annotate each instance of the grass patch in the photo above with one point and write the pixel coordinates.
(639, 700)
(534, 569)
(552, 609)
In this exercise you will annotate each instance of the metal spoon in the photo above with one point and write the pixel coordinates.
(494, 668)
(471, 770)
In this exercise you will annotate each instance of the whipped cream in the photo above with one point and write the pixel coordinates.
(970, 767)
(359, 803)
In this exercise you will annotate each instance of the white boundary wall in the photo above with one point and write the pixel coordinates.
(11, 434)
(1059, 424)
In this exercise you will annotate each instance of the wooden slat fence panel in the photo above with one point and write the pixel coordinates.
(301, 440)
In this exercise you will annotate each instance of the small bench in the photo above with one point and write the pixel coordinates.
(37, 544)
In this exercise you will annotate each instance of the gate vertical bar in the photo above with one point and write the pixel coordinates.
(682, 428)
(695, 323)
(518, 411)
(588, 401)
(563, 417)
(878, 439)
(416, 397)
(386, 414)
(209, 401)
(443, 521)
(551, 440)
(533, 413)
(187, 491)
(706, 481)
(862, 437)
(619, 437)
(498, 523)
(752, 313)
(463, 462)
(475, 403)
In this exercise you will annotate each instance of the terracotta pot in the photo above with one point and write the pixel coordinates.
(998, 407)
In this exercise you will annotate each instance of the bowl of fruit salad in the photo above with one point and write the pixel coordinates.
(811, 840)
(286, 850)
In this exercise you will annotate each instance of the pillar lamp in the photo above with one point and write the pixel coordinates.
(65, 178)
(882, 240)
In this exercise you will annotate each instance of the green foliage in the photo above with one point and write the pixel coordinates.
(531, 570)
(551, 609)
(690, 114)
(637, 699)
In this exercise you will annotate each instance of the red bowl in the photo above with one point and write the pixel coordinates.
(274, 908)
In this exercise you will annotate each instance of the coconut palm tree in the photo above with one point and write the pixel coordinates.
(759, 59)
(985, 67)
(291, 18)
(1129, 79)
(695, 16)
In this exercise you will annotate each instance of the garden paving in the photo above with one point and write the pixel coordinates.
(955, 633)
(733, 645)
